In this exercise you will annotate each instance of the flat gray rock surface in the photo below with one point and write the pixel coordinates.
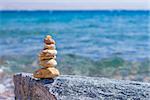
(68, 87)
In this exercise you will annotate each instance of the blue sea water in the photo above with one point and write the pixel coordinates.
(93, 34)
(91, 43)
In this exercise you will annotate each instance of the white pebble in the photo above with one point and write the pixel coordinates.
(2, 88)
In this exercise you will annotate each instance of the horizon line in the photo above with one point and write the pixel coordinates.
(74, 9)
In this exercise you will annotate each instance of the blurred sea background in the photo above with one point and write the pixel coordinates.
(113, 44)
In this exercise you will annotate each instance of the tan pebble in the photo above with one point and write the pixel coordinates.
(46, 73)
(48, 53)
(48, 37)
(49, 41)
(53, 52)
(50, 47)
(48, 63)
(47, 57)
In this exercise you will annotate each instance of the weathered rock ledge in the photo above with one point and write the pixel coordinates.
(67, 87)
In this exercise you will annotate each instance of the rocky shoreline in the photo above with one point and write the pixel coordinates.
(7, 88)
(73, 87)
(7, 85)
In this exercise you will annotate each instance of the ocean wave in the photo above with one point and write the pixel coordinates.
(78, 65)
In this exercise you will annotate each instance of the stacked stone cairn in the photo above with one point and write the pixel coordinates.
(47, 59)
